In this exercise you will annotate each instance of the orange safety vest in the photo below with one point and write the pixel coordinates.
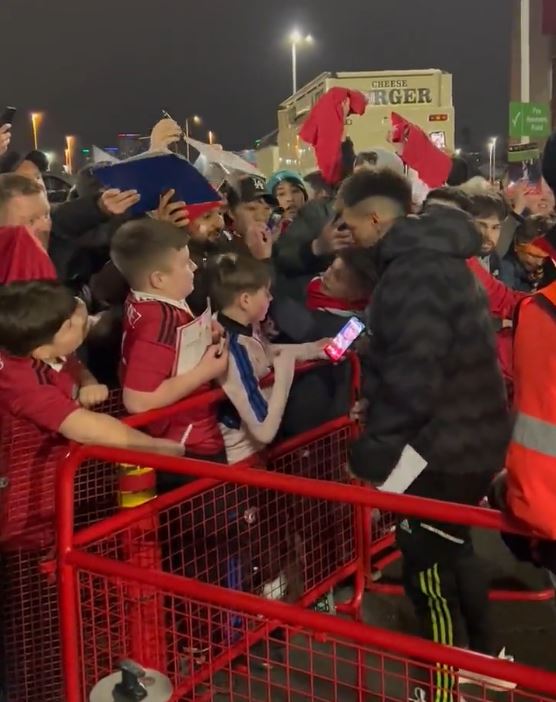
(531, 460)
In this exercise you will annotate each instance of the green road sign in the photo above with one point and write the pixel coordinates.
(529, 119)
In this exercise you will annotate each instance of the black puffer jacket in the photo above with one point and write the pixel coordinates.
(431, 375)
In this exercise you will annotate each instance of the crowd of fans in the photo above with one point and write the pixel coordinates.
(93, 298)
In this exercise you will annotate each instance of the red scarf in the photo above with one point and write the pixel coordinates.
(22, 257)
(317, 299)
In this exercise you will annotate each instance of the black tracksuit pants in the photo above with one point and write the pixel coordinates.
(447, 585)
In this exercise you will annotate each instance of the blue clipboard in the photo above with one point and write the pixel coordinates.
(154, 174)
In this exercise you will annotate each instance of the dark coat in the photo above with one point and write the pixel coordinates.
(293, 260)
(431, 375)
(71, 222)
(514, 275)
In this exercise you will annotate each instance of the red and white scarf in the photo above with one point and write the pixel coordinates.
(317, 299)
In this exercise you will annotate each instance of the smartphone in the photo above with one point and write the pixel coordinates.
(8, 116)
(275, 219)
(336, 349)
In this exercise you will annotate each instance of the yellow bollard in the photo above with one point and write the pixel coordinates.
(137, 486)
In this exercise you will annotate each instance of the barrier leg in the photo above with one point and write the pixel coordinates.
(140, 544)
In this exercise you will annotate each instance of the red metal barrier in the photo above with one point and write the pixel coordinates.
(29, 460)
(93, 579)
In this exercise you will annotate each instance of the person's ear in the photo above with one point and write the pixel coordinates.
(244, 300)
(156, 280)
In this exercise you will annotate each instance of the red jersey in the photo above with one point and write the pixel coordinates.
(149, 349)
(35, 399)
(42, 394)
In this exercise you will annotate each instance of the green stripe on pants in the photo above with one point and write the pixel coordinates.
(442, 629)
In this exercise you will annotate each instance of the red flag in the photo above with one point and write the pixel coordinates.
(324, 127)
(549, 17)
(432, 165)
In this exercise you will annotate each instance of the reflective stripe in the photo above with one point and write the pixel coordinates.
(535, 434)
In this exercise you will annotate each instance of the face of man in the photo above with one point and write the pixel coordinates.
(290, 197)
(31, 212)
(540, 203)
(367, 228)
(490, 228)
(248, 213)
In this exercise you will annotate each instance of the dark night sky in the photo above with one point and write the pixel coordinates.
(98, 67)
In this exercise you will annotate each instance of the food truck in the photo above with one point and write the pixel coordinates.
(423, 97)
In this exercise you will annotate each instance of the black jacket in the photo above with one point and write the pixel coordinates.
(430, 371)
(71, 222)
(293, 260)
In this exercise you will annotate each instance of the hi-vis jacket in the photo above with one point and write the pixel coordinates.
(531, 460)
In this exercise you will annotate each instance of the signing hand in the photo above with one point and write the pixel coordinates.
(115, 202)
(5, 138)
(165, 133)
(174, 212)
(91, 395)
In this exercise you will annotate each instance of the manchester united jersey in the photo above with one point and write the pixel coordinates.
(149, 349)
(44, 394)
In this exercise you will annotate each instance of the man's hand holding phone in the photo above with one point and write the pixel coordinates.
(5, 138)
(6, 122)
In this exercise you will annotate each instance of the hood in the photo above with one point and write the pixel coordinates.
(441, 229)
(22, 257)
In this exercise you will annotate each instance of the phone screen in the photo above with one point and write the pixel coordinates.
(344, 339)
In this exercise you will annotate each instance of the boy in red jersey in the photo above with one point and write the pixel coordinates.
(154, 259)
(41, 325)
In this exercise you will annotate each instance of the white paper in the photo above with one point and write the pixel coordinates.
(228, 159)
(193, 339)
(407, 470)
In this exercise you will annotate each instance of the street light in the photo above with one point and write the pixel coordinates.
(196, 120)
(297, 39)
(70, 143)
(211, 137)
(492, 158)
(50, 157)
(36, 119)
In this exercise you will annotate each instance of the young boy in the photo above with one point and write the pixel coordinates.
(345, 288)
(154, 259)
(41, 326)
(240, 287)
(290, 190)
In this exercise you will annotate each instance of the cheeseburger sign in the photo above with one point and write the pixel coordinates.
(398, 92)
